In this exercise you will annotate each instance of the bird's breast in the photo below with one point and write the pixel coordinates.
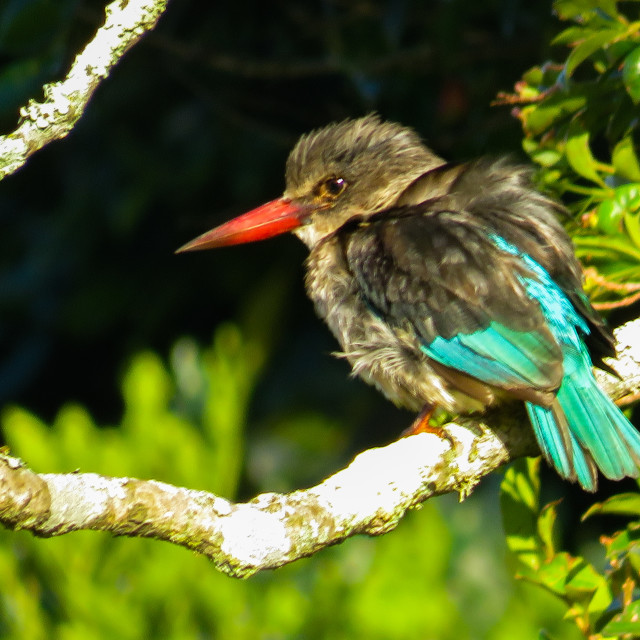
(387, 357)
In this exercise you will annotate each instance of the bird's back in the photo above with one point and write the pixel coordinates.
(390, 283)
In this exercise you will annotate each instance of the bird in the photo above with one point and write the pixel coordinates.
(450, 287)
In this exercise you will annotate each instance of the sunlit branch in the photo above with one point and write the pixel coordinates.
(65, 101)
(370, 496)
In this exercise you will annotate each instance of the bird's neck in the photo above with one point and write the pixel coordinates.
(310, 235)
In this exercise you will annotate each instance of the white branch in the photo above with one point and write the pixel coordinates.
(370, 496)
(41, 122)
(626, 389)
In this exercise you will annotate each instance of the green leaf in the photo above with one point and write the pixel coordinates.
(584, 9)
(539, 117)
(584, 579)
(519, 494)
(625, 160)
(619, 216)
(627, 622)
(542, 155)
(534, 76)
(609, 217)
(632, 226)
(546, 157)
(610, 213)
(623, 543)
(580, 158)
(631, 75)
(546, 526)
(589, 46)
(587, 246)
(571, 35)
(616, 629)
(553, 575)
(25, 433)
(623, 504)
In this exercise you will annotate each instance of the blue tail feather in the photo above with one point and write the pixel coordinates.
(582, 429)
(560, 446)
(597, 428)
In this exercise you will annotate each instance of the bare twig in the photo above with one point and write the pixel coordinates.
(65, 101)
(632, 288)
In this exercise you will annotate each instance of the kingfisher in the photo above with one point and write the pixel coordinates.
(450, 287)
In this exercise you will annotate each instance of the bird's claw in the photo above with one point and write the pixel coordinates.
(422, 425)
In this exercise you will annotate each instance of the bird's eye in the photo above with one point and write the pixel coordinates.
(330, 189)
(335, 186)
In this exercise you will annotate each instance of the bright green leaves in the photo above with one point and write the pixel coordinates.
(625, 160)
(618, 215)
(625, 625)
(519, 503)
(580, 120)
(599, 602)
(591, 43)
(580, 158)
(622, 553)
(623, 504)
(552, 110)
(610, 246)
(566, 107)
(608, 216)
(569, 9)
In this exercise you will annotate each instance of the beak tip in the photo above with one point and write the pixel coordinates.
(182, 249)
(271, 219)
(205, 241)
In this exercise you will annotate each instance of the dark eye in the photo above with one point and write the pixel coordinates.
(335, 186)
(330, 188)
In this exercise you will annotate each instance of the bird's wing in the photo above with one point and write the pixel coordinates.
(499, 196)
(438, 276)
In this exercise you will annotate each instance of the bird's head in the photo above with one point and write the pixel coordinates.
(347, 169)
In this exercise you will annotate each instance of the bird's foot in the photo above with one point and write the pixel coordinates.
(422, 425)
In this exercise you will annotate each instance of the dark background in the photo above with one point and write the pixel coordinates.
(193, 127)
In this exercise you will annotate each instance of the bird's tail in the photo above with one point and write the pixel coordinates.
(583, 431)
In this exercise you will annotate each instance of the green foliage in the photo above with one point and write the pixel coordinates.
(600, 602)
(580, 121)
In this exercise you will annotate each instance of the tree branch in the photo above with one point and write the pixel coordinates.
(41, 122)
(370, 496)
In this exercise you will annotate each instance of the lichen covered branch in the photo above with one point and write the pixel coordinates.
(369, 497)
(65, 101)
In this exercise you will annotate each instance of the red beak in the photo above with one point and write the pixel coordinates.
(271, 219)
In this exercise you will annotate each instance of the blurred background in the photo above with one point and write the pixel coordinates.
(211, 370)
